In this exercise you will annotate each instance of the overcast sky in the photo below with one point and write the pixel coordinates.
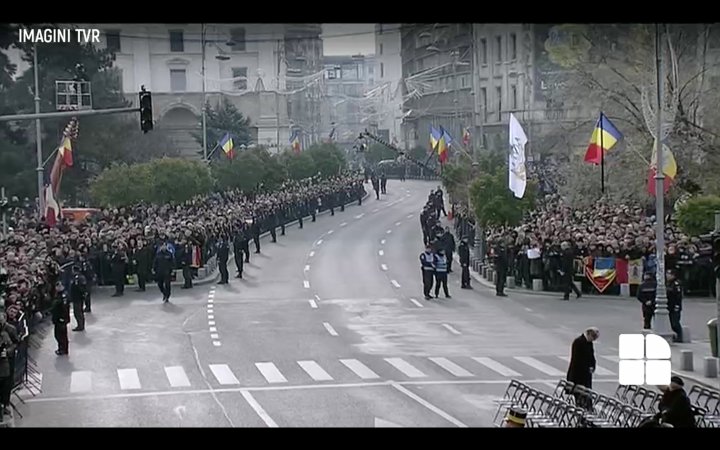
(351, 38)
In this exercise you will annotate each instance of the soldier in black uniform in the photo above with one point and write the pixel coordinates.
(184, 260)
(376, 186)
(223, 254)
(312, 205)
(359, 192)
(464, 253)
(60, 311)
(246, 235)
(567, 271)
(339, 199)
(87, 271)
(238, 251)
(164, 263)
(300, 211)
(383, 183)
(501, 266)
(646, 296)
(329, 201)
(447, 241)
(143, 263)
(255, 231)
(118, 264)
(675, 298)
(282, 218)
(78, 291)
(269, 222)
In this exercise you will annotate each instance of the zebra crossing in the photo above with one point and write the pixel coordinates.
(345, 370)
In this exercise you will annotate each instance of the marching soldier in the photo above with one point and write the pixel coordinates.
(646, 297)
(269, 222)
(78, 291)
(238, 251)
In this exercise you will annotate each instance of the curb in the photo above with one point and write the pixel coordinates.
(214, 274)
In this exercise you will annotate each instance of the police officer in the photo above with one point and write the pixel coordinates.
(501, 266)
(60, 311)
(238, 251)
(675, 297)
(646, 296)
(427, 265)
(223, 254)
(441, 272)
(164, 264)
(143, 263)
(87, 270)
(300, 211)
(118, 264)
(246, 235)
(78, 290)
(567, 270)
(464, 253)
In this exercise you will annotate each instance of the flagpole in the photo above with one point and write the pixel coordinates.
(212, 152)
(602, 157)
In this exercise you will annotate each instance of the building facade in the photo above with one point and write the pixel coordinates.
(388, 75)
(244, 63)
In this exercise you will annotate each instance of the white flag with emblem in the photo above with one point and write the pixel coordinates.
(518, 175)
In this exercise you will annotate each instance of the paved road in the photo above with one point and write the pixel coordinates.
(327, 329)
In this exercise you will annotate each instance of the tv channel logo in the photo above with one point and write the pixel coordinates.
(644, 359)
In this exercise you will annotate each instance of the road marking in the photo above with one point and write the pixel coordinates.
(389, 231)
(211, 391)
(405, 368)
(397, 224)
(81, 381)
(417, 303)
(317, 297)
(129, 379)
(429, 406)
(177, 377)
(307, 267)
(383, 267)
(210, 300)
(270, 372)
(211, 317)
(306, 284)
(395, 283)
(313, 304)
(382, 242)
(209, 307)
(359, 216)
(258, 409)
(375, 210)
(223, 374)
(211, 294)
(211, 322)
(528, 309)
(451, 367)
(343, 224)
(497, 367)
(360, 369)
(213, 329)
(451, 329)
(381, 252)
(319, 242)
(217, 343)
(539, 365)
(382, 423)
(316, 372)
(214, 336)
(330, 329)
(410, 216)
(312, 254)
(598, 370)
(330, 232)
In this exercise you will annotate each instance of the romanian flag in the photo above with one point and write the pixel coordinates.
(228, 146)
(295, 141)
(466, 137)
(65, 151)
(435, 136)
(669, 170)
(604, 137)
(442, 146)
(52, 209)
(601, 272)
(64, 157)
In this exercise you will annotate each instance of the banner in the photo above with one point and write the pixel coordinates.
(635, 271)
(601, 272)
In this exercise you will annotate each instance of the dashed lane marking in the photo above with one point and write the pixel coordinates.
(307, 267)
(389, 231)
(214, 336)
(211, 317)
(312, 254)
(360, 369)
(451, 329)
(213, 329)
(451, 367)
(383, 267)
(598, 370)
(343, 224)
(383, 242)
(360, 216)
(539, 365)
(223, 374)
(217, 343)
(330, 232)
(316, 372)
(375, 210)
(406, 368)
(312, 303)
(395, 283)
(417, 303)
(381, 253)
(330, 329)
(211, 322)
(410, 216)
(317, 297)
(177, 377)
(319, 242)
(397, 224)
(306, 284)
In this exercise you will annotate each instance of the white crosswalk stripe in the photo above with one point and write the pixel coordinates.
(451, 367)
(223, 374)
(405, 367)
(359, 369)
(129, 379)
(81, 381)
(270, 372)
(598, 370)
(541, 366)
(316, 372)
(497, 367)
(177, 377)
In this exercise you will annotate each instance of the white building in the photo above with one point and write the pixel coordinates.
(388, 72)
(244, 63)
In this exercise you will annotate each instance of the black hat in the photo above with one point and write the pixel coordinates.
(517, 416)
(677, 380)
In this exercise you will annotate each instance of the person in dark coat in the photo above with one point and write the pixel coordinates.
(582, 363)
(646, 296)
(383, 183)
(184, 260)
(501, 267)
(675, 406)
(238, 252)
(448, 244)
(567, 271)
(246, 236)
(143, 258)
(376, 186)
(118, 263)
(255, 232)
(223, 254)
(427, 266)
(464, 254)
(164, 264)
(674, 305)
(312, 205)
(78, 291)
(60, 311)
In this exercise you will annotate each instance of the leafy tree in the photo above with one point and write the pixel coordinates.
(329, 160)
(298, 166)
(273, 171)
(697, 215)
(244, 172)
(378, 152)
(225, 118)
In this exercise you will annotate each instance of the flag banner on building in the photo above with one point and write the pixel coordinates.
(295, 141)
(435, 136)
(517, 180)
(601, 272)
(466, 136)
(227, 145)
(604, 137)
(635, 271)
(442, 145)
(669, 169)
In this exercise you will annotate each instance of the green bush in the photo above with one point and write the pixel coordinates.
(329, 160)
(298, 165)
(697, 215)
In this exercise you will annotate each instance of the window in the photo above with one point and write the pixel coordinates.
(382, 70)
(176, 41)
(483, 51)
(513, 47)
(498, 48)
(112, 39)
(241, 83)
(483, 103)
(237, 36)
(178, 81)
(644, 360)
(498, 95)
(381, 49)
(513, 96)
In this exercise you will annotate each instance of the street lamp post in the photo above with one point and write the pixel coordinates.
(204, 99)
(38, 137)
(661, 325)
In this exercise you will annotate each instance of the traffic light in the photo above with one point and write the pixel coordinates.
(146, 114)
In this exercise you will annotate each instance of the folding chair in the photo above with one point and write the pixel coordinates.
(512, 395)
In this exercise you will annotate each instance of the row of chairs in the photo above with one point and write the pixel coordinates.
(600, 410)
(543, 410)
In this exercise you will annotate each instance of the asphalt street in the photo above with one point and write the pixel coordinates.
(328, 328)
